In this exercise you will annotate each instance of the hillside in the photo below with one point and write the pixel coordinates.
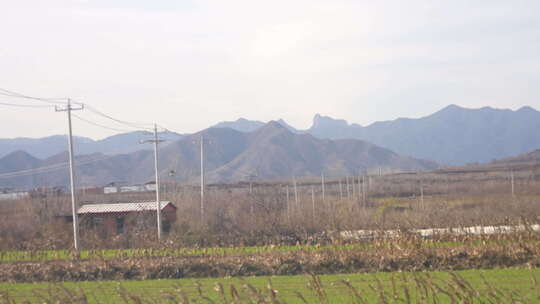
(48, 146)
(451, 136)
(275, 152)
(270, 152)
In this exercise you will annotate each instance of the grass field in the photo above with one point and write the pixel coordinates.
(47, 255)
(219, 260)
(50, 255)
(498, 286)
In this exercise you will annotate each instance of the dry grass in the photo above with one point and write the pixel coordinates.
(237, 217)
(388, 255)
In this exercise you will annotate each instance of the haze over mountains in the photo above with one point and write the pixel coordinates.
(451, 136)
(243, 148)
(270, 152)
(51, 145)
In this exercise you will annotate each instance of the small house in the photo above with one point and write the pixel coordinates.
(150, 186)
(117, 218)
(134, 188)
(15, 195)
(113, 187)
(110, 189)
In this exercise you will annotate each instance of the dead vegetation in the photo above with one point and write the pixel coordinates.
(380, 255)
(277, 214)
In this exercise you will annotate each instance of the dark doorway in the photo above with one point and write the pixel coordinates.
(119, 225)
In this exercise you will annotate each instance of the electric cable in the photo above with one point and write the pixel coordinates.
(25, 105)
(9, 93)
(100, 125)
(51, 168)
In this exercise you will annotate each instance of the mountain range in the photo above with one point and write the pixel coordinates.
(48, 146)
(237, 149)
(451, 136)
(270, 152)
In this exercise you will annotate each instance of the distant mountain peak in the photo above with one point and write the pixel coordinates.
(287, 126)
(275, 124)
(19, 154)
(320, 121)
(272, 128)
(242, 119)
(452, 108)
(241, 124)
(526, 109)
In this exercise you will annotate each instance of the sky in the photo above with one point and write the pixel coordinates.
(190, 64)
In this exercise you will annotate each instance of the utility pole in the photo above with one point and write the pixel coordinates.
(422, 192)
(155, 141)
(360, 192)
(353, 186)
(348, 190)
(202, 178)
(512, 180)
(74, 206)
(340, 190)
(251, 207)
(322, 186)
(251, 204)
(295, 194)
(288, 204)
(364, 191)
(313, 202)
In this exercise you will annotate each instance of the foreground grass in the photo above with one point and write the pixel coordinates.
(497, 286)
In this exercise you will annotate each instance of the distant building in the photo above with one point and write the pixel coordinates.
(113, 187)
(150, 186)
(92, 190)
(135, 188)
(15, 195)
(116, 188)
(117, 218)
(110, 189)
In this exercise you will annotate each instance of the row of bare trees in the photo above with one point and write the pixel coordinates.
(293, 211)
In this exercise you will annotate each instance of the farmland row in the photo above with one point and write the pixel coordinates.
(412, 254)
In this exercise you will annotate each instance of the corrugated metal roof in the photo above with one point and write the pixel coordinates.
(121, 207)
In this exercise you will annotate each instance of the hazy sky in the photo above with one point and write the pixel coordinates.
(189, 64)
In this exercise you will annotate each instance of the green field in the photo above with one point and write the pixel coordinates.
(50, 255)
(498, 286)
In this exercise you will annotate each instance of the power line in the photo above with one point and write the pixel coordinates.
(51, 168)
(130, 124)
(24, 105)
(135, 125)
(100, 125)
(168, 130)
(34, 171)
(9, 93)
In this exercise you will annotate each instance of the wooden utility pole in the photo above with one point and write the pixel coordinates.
(322, 186)
(156, 141)
(512, 181)
(74, 206)
(340, 190)
(313, 203)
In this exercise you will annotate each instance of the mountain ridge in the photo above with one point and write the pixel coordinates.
(453, 135)
(272, 152)
(51, 145)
